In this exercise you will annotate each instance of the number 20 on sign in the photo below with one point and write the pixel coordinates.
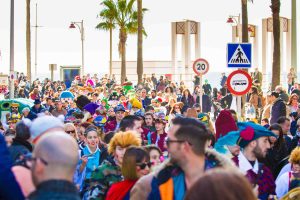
(200, 66)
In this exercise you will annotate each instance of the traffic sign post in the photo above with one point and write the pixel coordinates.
(239, 83)
(200, 67)
(239, 55)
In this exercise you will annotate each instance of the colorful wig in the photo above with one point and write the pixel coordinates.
(295, 156)
(124, 139)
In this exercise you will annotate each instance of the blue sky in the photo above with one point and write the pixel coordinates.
(60, 45)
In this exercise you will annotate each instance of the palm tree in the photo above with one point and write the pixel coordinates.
(28, 40)
(275, 7)
(124, 17)
(109, 25)
(244, 36)
(140, 67)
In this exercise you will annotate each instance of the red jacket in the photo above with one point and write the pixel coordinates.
(110, 126)
(159, 142)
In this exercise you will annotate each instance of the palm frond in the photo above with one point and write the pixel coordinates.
(105, 26)
(129, 6)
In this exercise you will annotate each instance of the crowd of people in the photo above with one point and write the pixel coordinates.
(93, 138)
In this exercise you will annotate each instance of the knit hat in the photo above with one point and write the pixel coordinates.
(42, 124)
(66, 95)
(160, 117)
(250, 131)
(100, 121)
(127, 86)
(136, 103)
(229, 139)
(224, 124)
(91, 108)
(204, 118)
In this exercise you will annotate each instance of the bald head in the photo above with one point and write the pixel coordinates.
(60, 151)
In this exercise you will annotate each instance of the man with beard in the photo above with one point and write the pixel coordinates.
(254, 142)
(189, 159)
(53, 164)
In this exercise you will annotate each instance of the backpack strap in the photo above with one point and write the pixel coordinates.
(290, 177)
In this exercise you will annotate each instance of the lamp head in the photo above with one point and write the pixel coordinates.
(72, 25)
(230, 20)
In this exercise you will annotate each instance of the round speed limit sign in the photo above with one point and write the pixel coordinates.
(200, 66)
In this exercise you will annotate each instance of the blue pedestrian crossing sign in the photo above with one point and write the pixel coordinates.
(239, 55)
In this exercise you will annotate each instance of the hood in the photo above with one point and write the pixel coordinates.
(213, 160)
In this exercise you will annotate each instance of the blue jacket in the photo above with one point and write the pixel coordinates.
(9, 188)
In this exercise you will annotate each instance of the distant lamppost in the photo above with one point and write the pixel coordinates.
(81, 29)
(12, 52)
(236, 20)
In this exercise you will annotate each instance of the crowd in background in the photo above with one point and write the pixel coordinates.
(93, 138)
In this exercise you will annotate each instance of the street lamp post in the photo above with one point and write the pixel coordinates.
(235, 19)
(81, 29)
(11, 68)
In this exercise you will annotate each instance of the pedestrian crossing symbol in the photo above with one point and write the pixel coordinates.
(239, 55)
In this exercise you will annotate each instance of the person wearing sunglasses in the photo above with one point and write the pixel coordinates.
(71, 130)
(136, 164)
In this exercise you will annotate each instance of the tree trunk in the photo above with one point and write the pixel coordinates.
(140, 42)
(276, 52)
(122, 51)
(244, 40)
(244, 20)
(28, 40)
(110, 52)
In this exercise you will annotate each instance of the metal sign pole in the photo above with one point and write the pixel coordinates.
(201, 92)
(239, 105)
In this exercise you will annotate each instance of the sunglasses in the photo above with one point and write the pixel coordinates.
(69, 132)
(144, 165)
(169, 141)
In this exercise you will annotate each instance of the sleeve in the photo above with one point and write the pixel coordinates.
(96, 187)
(78, 177)
(9, 188)
(142, 189)
(282, 185)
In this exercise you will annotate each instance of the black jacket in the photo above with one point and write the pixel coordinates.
(278, 110)
(275, 156)
(188, 101)
(18, 148)
(55, 189)
(31, 115)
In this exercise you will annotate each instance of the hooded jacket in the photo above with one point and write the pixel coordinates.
(161, 184)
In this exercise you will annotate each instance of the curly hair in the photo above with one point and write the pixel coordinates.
(295, 156)
(124, 139)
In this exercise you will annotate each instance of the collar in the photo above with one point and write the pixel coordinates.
(90, 151)
(57, 186)
(245, 165)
